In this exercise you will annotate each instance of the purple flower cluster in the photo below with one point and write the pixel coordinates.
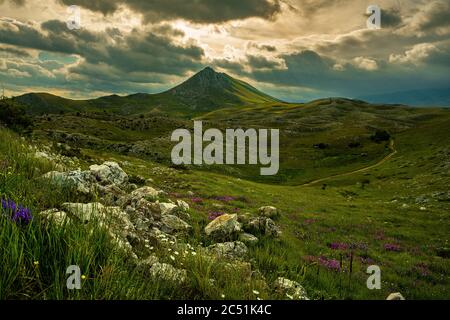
(338, 246)
(392, 247)
(367, 260)
(331, 264)
(197, 200)
(224, 198)
(17, 213)
(214, 215)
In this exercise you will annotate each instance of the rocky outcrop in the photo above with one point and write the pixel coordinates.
(229, 250)
(269, 212)
(109, 173)
(172, 224)
(54, 216)
(290, 289)
(395, 296)
(82, 181)
(225, 227)
(248, 238)
(263, 225)
(166, 272)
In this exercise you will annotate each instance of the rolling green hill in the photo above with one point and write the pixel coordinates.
(205, 91)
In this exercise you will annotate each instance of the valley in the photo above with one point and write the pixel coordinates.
(359, 184)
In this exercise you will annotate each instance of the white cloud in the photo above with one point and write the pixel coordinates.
(414, 56)
(365, 63)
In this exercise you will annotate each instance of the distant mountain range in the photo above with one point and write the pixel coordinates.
(204, 92)
(424, 98)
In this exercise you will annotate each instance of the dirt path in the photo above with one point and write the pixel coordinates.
(389, 156)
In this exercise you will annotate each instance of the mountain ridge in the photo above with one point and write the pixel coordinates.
(205, 91)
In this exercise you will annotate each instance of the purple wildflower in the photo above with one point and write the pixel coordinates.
(367, 260)
(197, 200)
(17, 213)
(224, 198)
(331, 264)
(392, 247)
(338, 246)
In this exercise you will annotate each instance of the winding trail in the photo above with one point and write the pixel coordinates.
(386, 158)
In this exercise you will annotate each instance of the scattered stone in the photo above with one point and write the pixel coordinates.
(248, 238)
(166, 272)
(148, 209)
(81, 180)
(85, 211)
(54, 216)
(230, 250)
(224, 227)
(148, 193)
(395, 296)
(290, 289)
(269, 212)
(148, 262)
(167, 208)
(264, 226)
(172, 224)
(109, 173)
(183, 205)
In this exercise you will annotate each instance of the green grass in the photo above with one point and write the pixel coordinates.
(369, 209)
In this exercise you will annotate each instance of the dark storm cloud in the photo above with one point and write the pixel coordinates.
(9, 51)
(137, 51)
(109, 61)
(391, 18)
(262, 47)
(199, 11)
(308, 69)
(433, 16)
(261, 62)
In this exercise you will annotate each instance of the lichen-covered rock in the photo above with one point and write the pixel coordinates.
(225, 227)
(168, 208)
(229, 250)
(109, 173)
(85, 212)
(395, 296)
(172, 224)
(269, 212)
(82, 181)
(263, 225)
(54, 216)
(147, 193)
(147, 263)
(290, 289)
(248, 238)
(166, 272)
(182, 205)
(111, 194)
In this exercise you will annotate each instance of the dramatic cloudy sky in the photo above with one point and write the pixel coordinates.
(293, 49)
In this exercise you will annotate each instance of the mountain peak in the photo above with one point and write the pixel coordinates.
(208, 89)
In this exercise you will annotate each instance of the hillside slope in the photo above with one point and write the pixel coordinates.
(205, 91)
